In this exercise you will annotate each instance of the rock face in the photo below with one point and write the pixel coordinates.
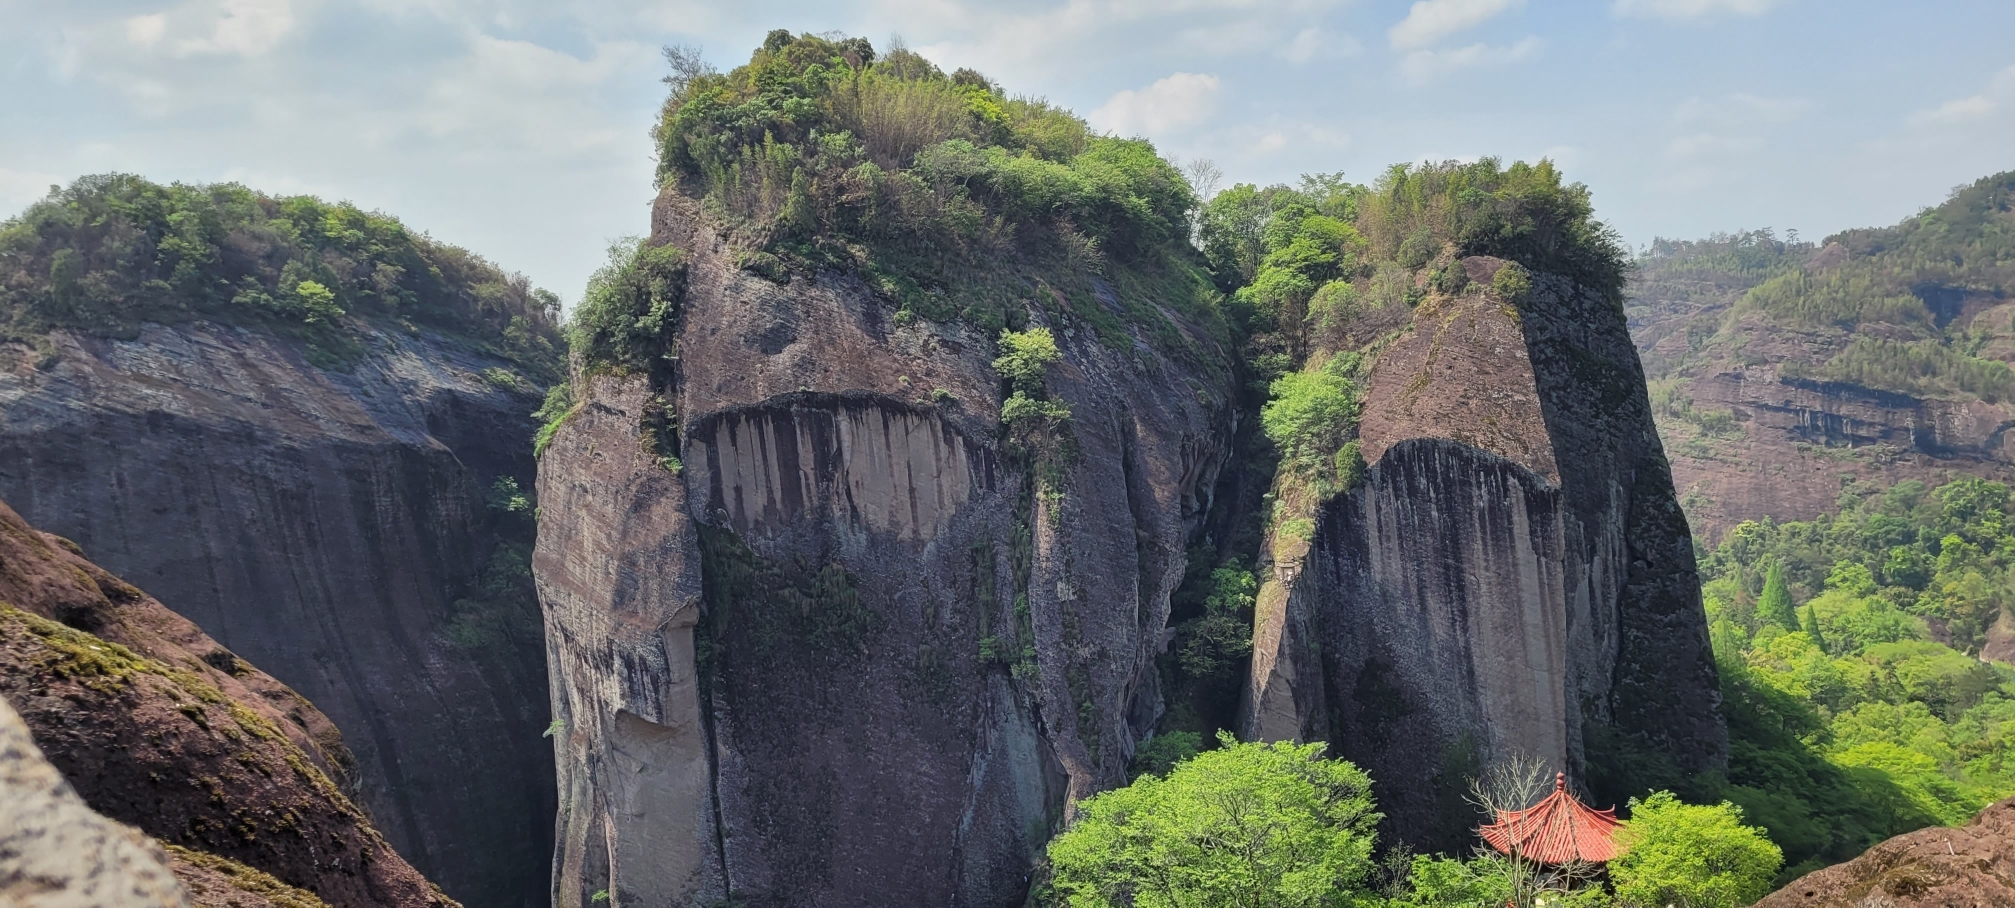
(1512, 573)
(156, 725)
(322, 524)
(1789, 442)
(1972, 866)
(55, 852)
(847, 650)
(215, 882)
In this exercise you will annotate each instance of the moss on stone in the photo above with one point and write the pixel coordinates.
(248, 880)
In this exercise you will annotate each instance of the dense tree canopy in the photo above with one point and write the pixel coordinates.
(1694, 855)
(952, 197)
(110, 252)
(1244, 824)
(1851, 722)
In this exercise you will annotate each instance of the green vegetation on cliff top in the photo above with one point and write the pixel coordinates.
(1314, 275)
(111, 252)
(950, 197)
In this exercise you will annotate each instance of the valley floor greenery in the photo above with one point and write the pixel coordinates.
(1248, 824)
(1849, 651)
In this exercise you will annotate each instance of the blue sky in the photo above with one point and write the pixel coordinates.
(520, 128)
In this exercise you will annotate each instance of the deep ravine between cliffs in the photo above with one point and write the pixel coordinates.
(875, 536)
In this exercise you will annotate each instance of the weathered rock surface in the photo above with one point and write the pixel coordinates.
(1789, 442)
(322, 524)
(56, 852)
(168, 731)
(1972, 866)
(847, 652)
(215, 882)
(1512, 573)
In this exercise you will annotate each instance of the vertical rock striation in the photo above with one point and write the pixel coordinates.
(1512, 577)
(322, 524)
(845, 649)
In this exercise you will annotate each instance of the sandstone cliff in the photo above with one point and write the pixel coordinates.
(843, 649)
(56, 852)
(1512, 575)
(329, 526)
(1782, 370)
(1972, 866)
(156, 725)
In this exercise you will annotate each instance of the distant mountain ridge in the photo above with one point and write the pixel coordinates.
(1782, 370)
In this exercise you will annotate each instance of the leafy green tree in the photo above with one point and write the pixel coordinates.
(1775, 604)
(1692, 855)
(1441, 882)
(1024, 361)
(1025, 358)
(629, 313)
(1163, 751)
(1242, 825)
(1809, 621)
(947, 195)
(1512, 282)
(1215, 641)
(1312, 414)
(1231, 230)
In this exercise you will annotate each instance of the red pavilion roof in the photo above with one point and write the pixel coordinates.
(1556, 830)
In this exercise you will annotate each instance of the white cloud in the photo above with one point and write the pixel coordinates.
(1044, 47)
(1997, 99)
(242, 27)
(146, 31)
(523, 94)
(1312, 43)
(1429, 21)
(1173, 103)
(1277, 136)
(1691, 10)
(1423, 66)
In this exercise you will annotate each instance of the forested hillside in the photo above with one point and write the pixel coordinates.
(1824, 405)
(110, 252)
(1781, 369)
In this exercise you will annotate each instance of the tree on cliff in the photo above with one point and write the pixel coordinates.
(1245, 824)
(1775, 605)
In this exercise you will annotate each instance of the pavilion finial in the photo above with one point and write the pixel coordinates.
(1560, 781)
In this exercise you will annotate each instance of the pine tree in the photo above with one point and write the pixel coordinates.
(1810, 619)
(1776, 606)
